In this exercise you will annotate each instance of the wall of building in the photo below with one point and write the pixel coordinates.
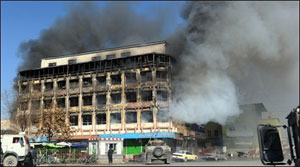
(36, 94)
(85, 57)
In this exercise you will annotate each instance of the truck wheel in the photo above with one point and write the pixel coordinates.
(10, 161)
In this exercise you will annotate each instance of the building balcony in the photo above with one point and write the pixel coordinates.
(132, 105)
(61, 92)
(48, 93)
(87, 108)
(116, 87)
(87, 89)
(74, 90)
(101, 88)
(73, 109)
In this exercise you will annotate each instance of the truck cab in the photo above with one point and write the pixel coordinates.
(15, 150)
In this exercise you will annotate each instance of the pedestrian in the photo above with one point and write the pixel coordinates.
(110, 154)
(33, 156)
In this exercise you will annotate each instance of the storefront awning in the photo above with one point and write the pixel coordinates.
(139, 135)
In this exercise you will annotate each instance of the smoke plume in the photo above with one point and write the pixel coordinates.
(228, 53)
(235, 53)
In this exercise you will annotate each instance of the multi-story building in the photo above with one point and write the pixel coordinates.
(122, 92)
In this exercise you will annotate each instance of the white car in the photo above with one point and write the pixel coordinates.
(184, 156)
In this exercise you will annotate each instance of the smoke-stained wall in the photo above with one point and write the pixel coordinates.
(228, 53)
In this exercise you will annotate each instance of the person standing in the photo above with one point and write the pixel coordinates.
(110, 154)
(33, 156)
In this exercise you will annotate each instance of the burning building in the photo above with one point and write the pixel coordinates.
(122, 93)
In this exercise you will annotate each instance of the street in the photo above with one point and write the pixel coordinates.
(197, 163)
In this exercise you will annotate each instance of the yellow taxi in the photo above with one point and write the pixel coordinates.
(184, 156)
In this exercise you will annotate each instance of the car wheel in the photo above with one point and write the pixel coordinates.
(10, 161)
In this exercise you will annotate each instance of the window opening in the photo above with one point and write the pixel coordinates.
(146, 95)
(115, 98)
(131, 117)
(115, 118)
(101, 118)
(131, 97)
(86, 119)
(146, 116)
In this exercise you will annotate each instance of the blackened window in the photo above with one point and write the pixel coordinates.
(47, 103)
(37, 87)
(52, 64)
(130, 97)
(101, 118)
(86, 120)
(48, 86)
(131, 117)
(162, 115)
(111, 56)
(146, 76)
(73, 120)
(96, 58)
(115, 79)
(161, 75)
(146, 116)
(209, 133)
(162, 95)
(74, 83)
(125, 54)
(101, 100)
(115, 118)
(24, 88)
(101, 80)
(115, 98)
(73, 101)
(61, 84)
(24, 105)
(87, 100)
(87, 82)
(130, 77)
(61, 102)
(72, 61)
(146, 95)
(216, 133)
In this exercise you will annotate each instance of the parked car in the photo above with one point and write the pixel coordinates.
(157, 150)
(215, 155)
(184, 156)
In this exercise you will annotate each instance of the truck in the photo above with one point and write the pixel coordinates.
(270, 144)
(15, 150)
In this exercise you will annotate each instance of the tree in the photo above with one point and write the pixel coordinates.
(9, 103)
(52, 122)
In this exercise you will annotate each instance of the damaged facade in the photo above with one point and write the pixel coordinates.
(115, 93)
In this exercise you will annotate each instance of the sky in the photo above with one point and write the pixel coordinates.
(23, 21)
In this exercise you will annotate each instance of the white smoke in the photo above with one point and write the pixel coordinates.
(252, 47)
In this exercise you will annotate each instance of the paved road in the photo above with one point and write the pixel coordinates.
(199, 163)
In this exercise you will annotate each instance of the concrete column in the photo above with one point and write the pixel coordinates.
(67, 105)
(94, 103)
(80, 103)
(123, 101)
(42, 100)
(138, 97)
(154, 99)
(29, 123)
(108, 107)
